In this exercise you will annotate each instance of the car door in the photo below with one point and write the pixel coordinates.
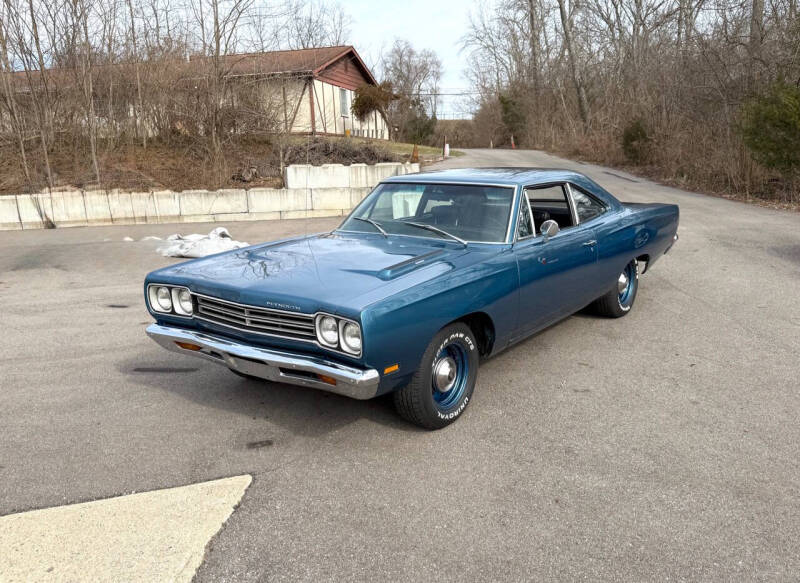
(554, 272)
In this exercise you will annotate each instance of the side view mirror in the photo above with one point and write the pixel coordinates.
(549, 228)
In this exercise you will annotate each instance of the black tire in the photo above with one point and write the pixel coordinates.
(420, 401)
(615, 303)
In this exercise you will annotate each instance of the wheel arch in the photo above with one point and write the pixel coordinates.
(645, 258)
(482, 327)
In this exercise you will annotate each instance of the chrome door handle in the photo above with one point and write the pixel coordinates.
(590, 243)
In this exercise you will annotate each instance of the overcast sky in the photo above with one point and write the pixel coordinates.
(427, 24)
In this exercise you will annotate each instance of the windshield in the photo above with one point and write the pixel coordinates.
(452, 211)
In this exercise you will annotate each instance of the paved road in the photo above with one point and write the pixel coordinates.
(660, 446)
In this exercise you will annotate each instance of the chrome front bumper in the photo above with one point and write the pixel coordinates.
(268, 364)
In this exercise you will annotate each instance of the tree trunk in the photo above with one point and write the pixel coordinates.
(756, 38)
(82, 20)
(583, 104)
(533, 43)
(137, 115)
(6, 72)
(44, 110)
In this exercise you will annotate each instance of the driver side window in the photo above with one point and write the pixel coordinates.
(550, 203)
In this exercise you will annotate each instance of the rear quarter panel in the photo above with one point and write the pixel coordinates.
(634, 231)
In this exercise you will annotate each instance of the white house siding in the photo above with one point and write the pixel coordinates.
(330, 119)
(297, 105)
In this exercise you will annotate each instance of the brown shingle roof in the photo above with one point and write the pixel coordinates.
(308, 61)
(289, 62)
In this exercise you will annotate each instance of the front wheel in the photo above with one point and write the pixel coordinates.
(618, 301)
(442, 387)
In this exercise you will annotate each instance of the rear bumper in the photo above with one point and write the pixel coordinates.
(268, 364)
(674, 240)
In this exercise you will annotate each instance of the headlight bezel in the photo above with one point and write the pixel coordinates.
(343, 324)
(175, 310)
(177, 303)
(340, 345)
(321, 334)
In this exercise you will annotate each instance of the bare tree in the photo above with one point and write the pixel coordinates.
(315, 23)
(664, 78)
(24, 36)
(10, 101)
(414, 77)
(79, 44)
(569, 47)
(756, 38)
(138, 111)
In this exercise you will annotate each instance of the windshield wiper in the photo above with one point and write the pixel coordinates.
(436, 230)
(375, 224)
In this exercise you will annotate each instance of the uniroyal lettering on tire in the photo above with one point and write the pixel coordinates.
(441, 389)
(456, 413)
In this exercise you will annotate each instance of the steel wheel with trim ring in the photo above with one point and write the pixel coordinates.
(442, 387)
(618, 301)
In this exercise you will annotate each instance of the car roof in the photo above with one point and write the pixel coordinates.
(499, 176)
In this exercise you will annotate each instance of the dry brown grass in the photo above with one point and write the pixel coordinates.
(184, 164)
(694, 162)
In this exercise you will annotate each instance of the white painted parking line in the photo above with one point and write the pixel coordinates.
(150, 536)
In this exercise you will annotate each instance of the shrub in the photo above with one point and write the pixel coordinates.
(770, 127)
(418, 127)
(513, 114)
(636, 142)
(371, 98)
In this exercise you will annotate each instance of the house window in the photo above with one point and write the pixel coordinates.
(343, 102)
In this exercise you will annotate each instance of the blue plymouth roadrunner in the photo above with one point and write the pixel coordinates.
(429, 274)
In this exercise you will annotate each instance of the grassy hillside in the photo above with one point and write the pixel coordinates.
(183, 164)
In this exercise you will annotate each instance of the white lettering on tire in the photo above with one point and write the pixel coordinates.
(465, 339)
(455, 413)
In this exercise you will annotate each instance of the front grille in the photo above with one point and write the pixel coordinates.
(254, 319)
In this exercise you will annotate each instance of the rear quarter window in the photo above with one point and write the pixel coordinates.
(586, 206)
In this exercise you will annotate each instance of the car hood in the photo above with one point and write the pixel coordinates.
(333, 271)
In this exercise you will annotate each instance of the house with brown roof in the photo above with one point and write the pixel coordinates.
(306, 91)
(312, 89)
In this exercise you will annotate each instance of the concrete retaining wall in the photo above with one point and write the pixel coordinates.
(342, 187)
(79, 208)
(339, 176)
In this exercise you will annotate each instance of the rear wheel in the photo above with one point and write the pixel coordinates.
(442, 386)
(618, 301)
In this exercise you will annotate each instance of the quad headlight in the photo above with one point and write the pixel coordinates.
(328, 331)
(182, 301)
(168, 299)
(339, 333)
(350, 336)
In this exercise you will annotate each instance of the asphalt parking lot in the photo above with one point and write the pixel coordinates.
(659, 446)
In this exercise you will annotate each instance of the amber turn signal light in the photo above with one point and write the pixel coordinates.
(327, 379)
(391, 369)
(189, 346)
